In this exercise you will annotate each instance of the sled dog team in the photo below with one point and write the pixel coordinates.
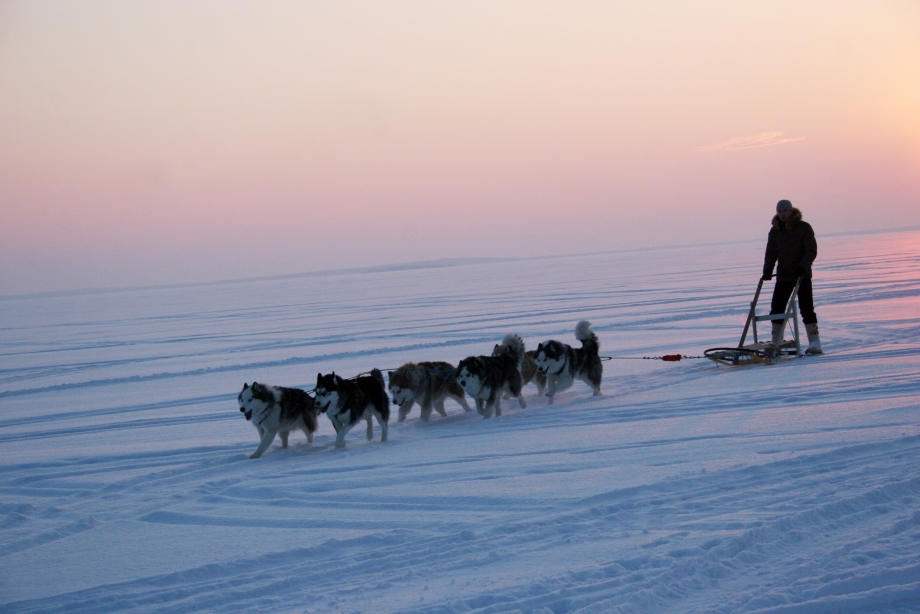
(553, 366)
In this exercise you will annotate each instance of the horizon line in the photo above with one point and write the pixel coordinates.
(402, 266)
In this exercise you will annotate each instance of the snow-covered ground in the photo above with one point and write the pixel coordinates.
(125, 482)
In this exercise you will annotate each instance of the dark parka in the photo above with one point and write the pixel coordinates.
(793, 245)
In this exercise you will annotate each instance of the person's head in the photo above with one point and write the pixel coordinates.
(784, 210)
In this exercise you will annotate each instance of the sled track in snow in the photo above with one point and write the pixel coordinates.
(686, 488)
(710, 539)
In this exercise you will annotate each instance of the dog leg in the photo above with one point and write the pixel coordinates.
(404, 410)
(462, 402)
(498, 405)
(284, 438)
(595, 386)
(439, 406)
(309, 437)
(551, 389)
(340, 435)
(383, 427)
(267, 438)
(426, 410)
(492, 400)
(489, 402)
(370, 426)
(540, 380)
(480, 408)
(521, 401)
(340, 431)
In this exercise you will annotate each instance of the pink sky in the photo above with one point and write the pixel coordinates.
(171, 142)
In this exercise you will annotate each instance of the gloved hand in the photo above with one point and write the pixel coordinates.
(804, 272)
(767, 276)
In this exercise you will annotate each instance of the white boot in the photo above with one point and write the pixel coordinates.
(778, 328)
(814, 342)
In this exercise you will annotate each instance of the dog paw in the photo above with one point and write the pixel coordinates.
(254, 455)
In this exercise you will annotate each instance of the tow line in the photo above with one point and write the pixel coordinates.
(665, 358)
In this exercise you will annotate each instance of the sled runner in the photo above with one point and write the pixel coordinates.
(762, 352)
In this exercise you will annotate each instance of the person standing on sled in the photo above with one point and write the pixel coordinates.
(792, 243)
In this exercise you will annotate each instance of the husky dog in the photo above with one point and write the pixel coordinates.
(530, 372)
(425, 383)
(346, 402)
(277, 411)
(562, 364)
(485, 378)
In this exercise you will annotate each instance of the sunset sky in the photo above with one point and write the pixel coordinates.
(172, 142)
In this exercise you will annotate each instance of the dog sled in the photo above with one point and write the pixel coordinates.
(763, 352)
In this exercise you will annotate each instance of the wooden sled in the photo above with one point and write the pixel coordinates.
(762, 352)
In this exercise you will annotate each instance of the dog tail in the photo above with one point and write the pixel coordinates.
(516, 346)
(587, 337)
(377, 375)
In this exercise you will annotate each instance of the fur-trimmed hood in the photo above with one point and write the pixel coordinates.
(791, 223)
(791, 247)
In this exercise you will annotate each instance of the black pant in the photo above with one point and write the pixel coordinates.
(783, 290)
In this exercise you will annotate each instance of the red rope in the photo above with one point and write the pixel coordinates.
(665, 358)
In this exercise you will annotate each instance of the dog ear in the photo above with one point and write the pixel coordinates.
(319, 378)
(389, 374)
(245, 386)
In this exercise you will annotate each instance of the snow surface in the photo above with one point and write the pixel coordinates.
(125, 482)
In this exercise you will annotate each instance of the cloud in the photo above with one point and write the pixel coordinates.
(749, 142)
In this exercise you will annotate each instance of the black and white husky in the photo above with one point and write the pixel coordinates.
(562, 364)
(277, 411)
(486, 378)
(427, 383)
(346, 402)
